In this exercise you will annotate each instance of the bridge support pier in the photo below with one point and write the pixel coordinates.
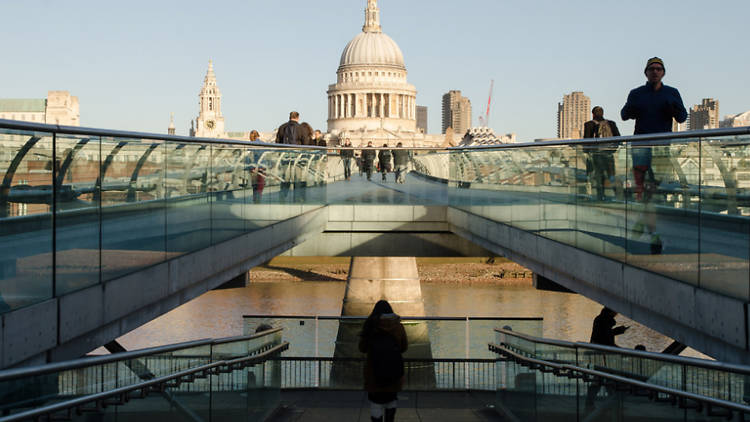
(371, 279)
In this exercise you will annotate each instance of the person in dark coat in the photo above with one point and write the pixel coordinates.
(346, 157)
(384, 157)
(383, 398)
(604, 331)
(400, 163)
(600, 163)
(368, 160)
(289, 132)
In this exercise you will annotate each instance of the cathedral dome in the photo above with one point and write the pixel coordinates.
(372, 48)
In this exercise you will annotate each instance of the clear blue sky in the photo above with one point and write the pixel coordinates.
(133, 62)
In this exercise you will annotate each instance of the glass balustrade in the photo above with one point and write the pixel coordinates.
(245, 392)
(85, 207)
(534, 392)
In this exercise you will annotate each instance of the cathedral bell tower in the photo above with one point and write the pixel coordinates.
(210, 122)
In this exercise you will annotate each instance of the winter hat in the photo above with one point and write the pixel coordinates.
(655, 60)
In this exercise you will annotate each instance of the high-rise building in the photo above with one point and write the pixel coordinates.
(59, 108)
(210, 121)
(572, 113)
(421, 119)
(704, 115)
(456, 112)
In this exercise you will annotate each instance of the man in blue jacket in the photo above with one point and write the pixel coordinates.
(654, 105)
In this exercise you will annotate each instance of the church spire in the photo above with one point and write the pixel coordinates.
(171, 128)
(372, 17)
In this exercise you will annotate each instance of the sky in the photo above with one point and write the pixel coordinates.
(132, 63)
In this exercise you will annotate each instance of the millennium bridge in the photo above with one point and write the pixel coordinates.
(102, 231)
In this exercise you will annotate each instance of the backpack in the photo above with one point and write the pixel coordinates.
(289, 136)
(387, 362)
(604, 130)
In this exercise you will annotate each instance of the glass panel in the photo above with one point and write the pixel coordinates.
(662, 218)
(725, 216)
(188, 209)
(600, 213)
(77, 240)
(227, 192)
(26, 172)
(133, 206)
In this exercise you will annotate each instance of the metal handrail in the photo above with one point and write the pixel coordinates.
(622, 380)
(77, 130)
(146, 385)
(684, 360)
(363, 358)
(405, 318)
(12, 374)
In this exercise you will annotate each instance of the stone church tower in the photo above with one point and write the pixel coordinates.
(210, 122)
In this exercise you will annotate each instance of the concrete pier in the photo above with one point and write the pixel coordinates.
(371, 279)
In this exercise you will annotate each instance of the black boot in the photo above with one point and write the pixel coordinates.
(390, 415)
(376, 419)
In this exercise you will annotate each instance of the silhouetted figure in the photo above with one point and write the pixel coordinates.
(384, 340)
(603, 332)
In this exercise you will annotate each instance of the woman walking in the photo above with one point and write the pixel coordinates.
(383, 338)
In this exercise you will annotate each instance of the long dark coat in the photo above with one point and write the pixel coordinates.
(391, 324)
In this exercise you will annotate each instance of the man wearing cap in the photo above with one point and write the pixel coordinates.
(654, 105)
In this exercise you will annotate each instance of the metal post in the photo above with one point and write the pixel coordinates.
(466, 365)
(317, 361)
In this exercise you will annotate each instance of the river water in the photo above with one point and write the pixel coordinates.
(219, 313)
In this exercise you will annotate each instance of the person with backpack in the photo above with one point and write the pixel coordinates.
(384, 340)
(384, 158)
(368, 160)
(600, 163)
(289, 132)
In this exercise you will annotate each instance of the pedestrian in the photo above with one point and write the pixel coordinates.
(384, 340)
(255, 136)
(257, 171)
(384, 158)
(346, 158)
(653, 106)
(289, 132)
(603, 332)
(368, 160)
(306, 134)
(318, 139)
(600, 160)
(400, 163)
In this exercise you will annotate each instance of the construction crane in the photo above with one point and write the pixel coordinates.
(485, 121)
